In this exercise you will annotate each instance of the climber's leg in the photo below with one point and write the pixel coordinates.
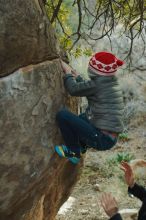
(77, 129)
(74, 130)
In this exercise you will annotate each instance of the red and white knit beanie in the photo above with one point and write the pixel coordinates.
(104, 63)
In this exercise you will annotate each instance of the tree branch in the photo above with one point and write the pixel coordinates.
(103, 16)
(79, 24)
(56, 11)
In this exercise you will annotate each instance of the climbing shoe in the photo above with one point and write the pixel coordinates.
(74, 160)
(64, 151)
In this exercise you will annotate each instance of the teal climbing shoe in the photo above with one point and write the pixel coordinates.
(64, 151)
(74, 160)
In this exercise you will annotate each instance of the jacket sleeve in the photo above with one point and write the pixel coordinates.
(83, 88)
(116, 217)
(138, 191)
(79, 79)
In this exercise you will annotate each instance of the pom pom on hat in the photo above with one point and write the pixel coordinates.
(120, 62)
(104, 63)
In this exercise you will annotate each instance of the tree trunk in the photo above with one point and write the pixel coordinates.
(34, 181)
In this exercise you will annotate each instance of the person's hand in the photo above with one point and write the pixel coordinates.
(109, 204)
(74, 73)
(129, 176)
(66, 68)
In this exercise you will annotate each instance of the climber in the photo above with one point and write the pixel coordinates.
(109, 203)
(101, 123)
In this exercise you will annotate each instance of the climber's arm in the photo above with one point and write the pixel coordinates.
(82, 88)
(74, 83)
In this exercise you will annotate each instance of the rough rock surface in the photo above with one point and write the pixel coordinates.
(34, 181)
(26, 36)
(31, 175)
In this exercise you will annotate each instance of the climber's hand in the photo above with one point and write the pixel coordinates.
(74, 73)
(66, 68)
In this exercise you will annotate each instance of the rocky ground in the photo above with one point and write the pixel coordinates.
(102, 173)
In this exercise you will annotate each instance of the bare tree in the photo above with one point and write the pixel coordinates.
(104, 15)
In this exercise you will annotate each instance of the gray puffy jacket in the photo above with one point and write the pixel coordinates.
(104, 97)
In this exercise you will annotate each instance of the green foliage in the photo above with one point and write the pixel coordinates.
(77, 52)
(124, 136)
(65, 42)
(92, 20)
(62, 18)
(87, 52)
(65, 25)
(119, 157)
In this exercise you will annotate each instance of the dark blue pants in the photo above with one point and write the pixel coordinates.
(78, 131)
